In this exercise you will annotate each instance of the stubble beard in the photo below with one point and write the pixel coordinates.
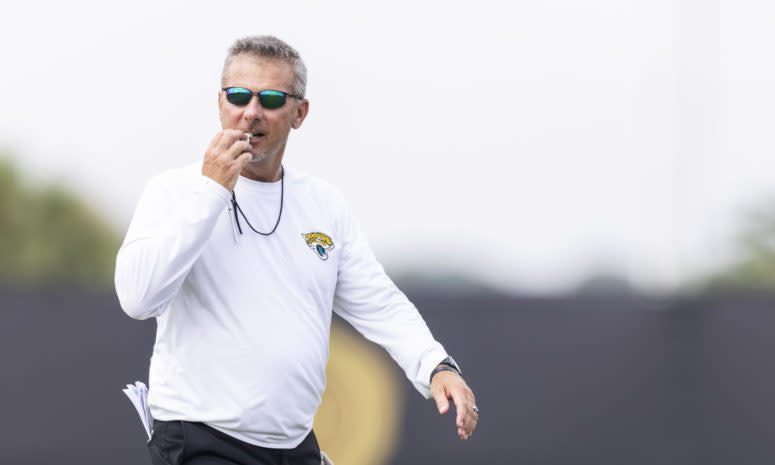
(261, 157)
(271, 153)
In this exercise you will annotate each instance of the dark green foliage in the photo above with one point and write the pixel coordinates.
(754, 270)
(49, 238)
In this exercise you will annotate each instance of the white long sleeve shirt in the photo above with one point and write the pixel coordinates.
(243, 321)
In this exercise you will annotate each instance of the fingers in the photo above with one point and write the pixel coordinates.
(466, 418)
(460, 408)
(243, 159)
(228, 153)
(439, 393)
(445, 386)
(232, 143)
(441, 401)
(237, 149)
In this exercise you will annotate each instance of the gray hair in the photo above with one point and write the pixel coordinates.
(271, 47)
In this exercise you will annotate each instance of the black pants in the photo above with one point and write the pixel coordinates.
(187, 443)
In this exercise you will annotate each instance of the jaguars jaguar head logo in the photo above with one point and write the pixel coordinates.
(320, 243)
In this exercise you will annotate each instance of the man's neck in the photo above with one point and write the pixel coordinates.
(269, 170)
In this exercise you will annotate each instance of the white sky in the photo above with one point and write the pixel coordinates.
(526, 143)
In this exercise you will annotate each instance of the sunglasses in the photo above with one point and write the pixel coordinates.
(240, 97)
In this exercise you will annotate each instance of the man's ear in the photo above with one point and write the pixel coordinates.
(301, 113)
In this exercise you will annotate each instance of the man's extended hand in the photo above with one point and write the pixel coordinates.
(447, 385)
(227, 154)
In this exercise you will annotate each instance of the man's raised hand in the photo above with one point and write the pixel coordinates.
(224, 159)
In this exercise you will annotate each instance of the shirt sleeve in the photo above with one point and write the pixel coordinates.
(171, 224)
(367, 299)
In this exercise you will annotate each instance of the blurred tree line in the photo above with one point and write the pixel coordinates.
(753, 270)
(50, 238)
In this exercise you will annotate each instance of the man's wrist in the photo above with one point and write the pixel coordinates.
(448, 364)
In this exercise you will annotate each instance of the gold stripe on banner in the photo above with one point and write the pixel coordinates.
(358, 420)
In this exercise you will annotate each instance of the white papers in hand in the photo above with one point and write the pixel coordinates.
(324, 460)
(138, 394)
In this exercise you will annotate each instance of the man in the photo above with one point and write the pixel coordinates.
(242, 261)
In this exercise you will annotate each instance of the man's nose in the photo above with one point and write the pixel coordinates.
(253, 110)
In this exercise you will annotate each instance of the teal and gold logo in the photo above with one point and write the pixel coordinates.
(320, 243)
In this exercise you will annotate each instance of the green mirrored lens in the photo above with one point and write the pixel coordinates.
(238, 96)
(271, 99)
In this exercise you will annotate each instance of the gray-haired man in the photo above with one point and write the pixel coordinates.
(242, 261)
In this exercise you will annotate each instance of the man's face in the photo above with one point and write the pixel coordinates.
(270, 127)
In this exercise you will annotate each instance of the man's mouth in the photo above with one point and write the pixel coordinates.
(255, 136)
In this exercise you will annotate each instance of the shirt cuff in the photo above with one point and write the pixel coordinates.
(211, 186)
(429, 361)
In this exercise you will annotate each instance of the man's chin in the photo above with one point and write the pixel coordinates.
(259, 157)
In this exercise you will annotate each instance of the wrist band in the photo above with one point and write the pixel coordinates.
(443, 367)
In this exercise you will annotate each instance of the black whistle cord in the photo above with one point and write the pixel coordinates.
(238, 209)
